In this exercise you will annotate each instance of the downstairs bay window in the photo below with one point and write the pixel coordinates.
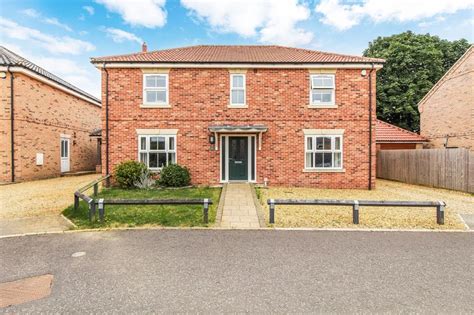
(157, 151)
(323, 152)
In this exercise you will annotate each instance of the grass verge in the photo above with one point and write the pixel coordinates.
(153, 215)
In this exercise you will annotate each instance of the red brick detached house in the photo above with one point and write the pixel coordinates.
(391, 137)
(44, 122)
(264, 114)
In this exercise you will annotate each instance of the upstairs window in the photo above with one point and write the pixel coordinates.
(157, 151)
(323, 152)
(237, 89)
(322, 89)
(155, 89)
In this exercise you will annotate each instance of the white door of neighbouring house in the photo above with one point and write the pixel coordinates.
(65, 155)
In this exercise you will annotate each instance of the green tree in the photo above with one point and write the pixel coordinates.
(414, 63)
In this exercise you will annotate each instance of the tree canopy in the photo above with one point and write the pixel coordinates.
(414, 63)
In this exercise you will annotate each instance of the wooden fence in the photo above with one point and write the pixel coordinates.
(444, 168)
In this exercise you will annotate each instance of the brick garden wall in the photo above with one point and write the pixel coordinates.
(42, 114)
(276, 98)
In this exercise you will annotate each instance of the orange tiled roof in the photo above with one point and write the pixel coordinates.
(237, 54)
(386, 132)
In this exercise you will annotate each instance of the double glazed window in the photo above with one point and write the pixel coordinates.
(323, 152)
(322, 89)
(155, 89)
(237, 89)
(157, 151)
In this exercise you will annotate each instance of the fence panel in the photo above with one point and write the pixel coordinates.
(451, 168)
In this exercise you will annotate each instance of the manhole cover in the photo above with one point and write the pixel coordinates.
(25, 290)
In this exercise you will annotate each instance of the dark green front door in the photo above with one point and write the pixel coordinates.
(238, 158)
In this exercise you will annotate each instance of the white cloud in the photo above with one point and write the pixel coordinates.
(31, 13)
(271, 21)
(53, 44)
(147, 13)
(54, 21)
(89, 9)
(346, 15)
(119, 36)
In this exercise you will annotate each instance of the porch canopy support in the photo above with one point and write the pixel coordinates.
(246, 129)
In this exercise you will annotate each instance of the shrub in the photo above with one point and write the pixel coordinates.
(145, 181)
(174, 175)
(128, 173)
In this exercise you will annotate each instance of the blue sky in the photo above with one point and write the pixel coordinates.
(61, 36)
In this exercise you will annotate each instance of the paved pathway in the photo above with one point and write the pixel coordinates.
(239, 207)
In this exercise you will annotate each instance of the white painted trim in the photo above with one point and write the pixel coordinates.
(249, 152)
(50, 82)
(166, 150)
(238, 106)
(244, 83)
(322, 106)
(155, 106)
(377, 66)
(324, 169)
(317, 132)
(332, 88)
(144, 89)
(63, 135)
(152, 132)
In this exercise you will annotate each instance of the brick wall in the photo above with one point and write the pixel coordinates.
(276, 98)
(449, 109)
(42, 114)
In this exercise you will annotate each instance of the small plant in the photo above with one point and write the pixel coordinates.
(145, 181)
(174, 175)
(128, 173)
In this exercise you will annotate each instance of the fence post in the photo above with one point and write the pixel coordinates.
(271, 202)
(101, 210)
(440, 212)
(355, 212)
(76, 202)
(91, 209)
(206, 211)
(96, 189)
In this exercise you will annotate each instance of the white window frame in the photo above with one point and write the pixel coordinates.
(315, 88)
(145, 89)
(244, 88)
(148, 151)
(332, 150)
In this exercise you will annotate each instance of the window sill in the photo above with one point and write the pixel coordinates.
(322, 106)
(155, 106)
(321, 170)
(238, 106)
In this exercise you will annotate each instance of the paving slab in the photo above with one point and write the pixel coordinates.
(239, 209)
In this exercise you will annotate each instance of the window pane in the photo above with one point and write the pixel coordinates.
(143, 158)
(161, 96)
(319, 143)
(171, 143)
(322, 81)
(337, 159)
(150, 81)
(161, 159)
(309, 160)
(153, 143)
(66, 147)
(142, 143)
(161, 81)
(161, 143)
(237, 81)
(327, 143)
(327, 97)
(153, 163)
(151, 96)
(171, 158)
(337, 143)
(321, 96)
(327, 160)
(237, 97)
(319, 159)
(155, 81)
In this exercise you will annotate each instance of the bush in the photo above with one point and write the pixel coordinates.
(128, 173)
(174, 175)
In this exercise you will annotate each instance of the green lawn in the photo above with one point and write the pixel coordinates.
(132, 215)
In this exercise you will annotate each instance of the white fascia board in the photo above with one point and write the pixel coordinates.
(240, 65)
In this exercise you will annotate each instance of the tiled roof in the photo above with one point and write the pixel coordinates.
(9, 58)
(386, 132)
(236, 54)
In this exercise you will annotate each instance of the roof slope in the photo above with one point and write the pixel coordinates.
(9, 58)
(386, 132)
(237, 54)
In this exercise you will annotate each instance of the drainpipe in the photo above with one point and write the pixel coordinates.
(370, 127)
(106, 124)
(12, 125)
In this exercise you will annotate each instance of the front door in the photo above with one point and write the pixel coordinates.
(65, 155)
(238, 158)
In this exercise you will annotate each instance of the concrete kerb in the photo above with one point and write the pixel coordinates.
(220, 207)
(258, 206)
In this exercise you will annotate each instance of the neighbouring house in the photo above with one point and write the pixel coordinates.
(263, 114)
(447, 110)
(45, 122)
(391, 137)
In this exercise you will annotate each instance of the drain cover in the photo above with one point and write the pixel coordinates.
(25, 290)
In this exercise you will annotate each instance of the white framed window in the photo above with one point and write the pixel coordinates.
(323, 152)
(155, 89)
(237, 89)
(322, 89)
(157, 151)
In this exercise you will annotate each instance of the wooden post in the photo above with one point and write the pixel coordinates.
(91, 209)
(440, 213)
(76, 202)
(96, 189)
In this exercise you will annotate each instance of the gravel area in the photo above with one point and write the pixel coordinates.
(370, 217)
(41, 197)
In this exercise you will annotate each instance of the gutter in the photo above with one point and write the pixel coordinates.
(107, 172)
(370, 127)
(12, 125)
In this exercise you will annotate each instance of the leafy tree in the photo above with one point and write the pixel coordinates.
(414, 63)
